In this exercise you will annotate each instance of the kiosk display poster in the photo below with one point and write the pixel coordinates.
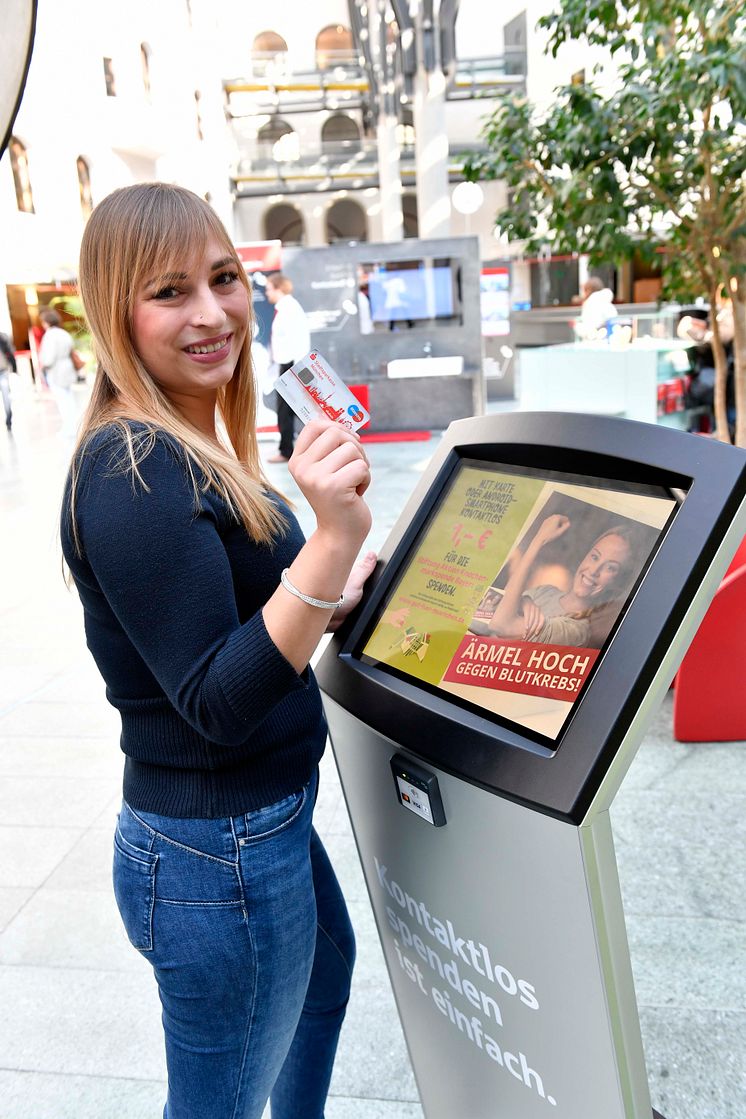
(514, 588)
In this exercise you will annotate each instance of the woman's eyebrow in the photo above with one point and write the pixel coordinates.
(166, 278)
(180, 277)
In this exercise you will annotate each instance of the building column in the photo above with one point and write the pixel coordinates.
(389, 165)
(430, 136)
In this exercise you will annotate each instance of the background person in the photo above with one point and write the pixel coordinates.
(695, 327)
(291, 341)
(57, 365)
(203, 605)
(7, 366)
(597, 309)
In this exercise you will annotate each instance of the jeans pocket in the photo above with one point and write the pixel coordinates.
(134, 890)
(266, 822)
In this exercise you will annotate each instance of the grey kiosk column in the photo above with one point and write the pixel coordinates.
(485, 842)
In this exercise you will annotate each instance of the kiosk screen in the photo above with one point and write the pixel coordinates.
(514, 587)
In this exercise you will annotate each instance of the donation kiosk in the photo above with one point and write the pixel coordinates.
(484, 703)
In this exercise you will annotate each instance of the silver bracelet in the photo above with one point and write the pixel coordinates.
(320, 602)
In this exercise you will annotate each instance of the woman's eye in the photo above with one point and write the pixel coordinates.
(165, 293)
(226, 278)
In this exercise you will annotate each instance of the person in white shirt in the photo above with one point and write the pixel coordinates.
(290, 341)
(56, 361)
(598, 309)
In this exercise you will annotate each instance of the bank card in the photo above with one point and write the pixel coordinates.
(312, 389)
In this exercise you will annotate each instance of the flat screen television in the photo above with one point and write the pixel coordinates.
(409, 293)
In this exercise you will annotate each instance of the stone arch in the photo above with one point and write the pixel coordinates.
(284, 222)
(340, 133)
(346, 220)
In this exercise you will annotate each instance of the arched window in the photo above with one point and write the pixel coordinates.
(409, 215)
(339, 133)
(145, 53)
(268, 51)
(269, 42)
(84, 186)
(21, 179)
(334, 46)
(284, 222)
(278, 140)
(346, 221)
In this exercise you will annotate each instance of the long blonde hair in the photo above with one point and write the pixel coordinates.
(135, 232)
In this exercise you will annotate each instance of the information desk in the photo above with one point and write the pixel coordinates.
(600, 378)
(530, 610)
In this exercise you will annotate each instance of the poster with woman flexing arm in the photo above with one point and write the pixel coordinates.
(514, 587)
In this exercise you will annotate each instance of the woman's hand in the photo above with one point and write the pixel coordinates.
(551, 528)
(332, 471)
(353, 591)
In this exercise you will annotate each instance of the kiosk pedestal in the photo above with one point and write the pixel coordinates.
(480, 748)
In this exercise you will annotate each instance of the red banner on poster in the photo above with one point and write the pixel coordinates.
(522, 667)
(260, 256)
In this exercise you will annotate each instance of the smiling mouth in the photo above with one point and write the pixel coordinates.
(209, 347)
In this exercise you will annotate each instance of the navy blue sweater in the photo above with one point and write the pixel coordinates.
(215, 721)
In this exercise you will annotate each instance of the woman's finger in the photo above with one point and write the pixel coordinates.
(318, 437)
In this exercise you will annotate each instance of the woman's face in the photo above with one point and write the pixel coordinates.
(188, 327)
(600, 568)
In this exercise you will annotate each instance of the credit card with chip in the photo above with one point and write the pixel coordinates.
(312, 388)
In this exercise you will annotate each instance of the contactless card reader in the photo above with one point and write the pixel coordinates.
(417, 790)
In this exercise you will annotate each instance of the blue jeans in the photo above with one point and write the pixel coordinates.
(245, 926)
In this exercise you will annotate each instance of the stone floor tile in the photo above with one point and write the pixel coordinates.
(82, 758)
(60, 718)
(695, 1061)
(28, 855)
(69, 929)
(69, 801)
(679, 962)
(347, 1107)
(681, 857)
(87, 866)
(84, 1023)
(12, 898)
(27, 1095)
(373, 1062)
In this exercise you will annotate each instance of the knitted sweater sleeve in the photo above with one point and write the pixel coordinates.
(161, 566)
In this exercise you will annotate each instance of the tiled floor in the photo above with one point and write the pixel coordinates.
(80, 1029)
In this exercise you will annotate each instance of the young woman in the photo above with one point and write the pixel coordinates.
(203, 605)
(565, 615)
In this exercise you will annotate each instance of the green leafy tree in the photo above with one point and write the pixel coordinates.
(657, 157)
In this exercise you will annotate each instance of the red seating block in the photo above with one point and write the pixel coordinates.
(709, 696)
